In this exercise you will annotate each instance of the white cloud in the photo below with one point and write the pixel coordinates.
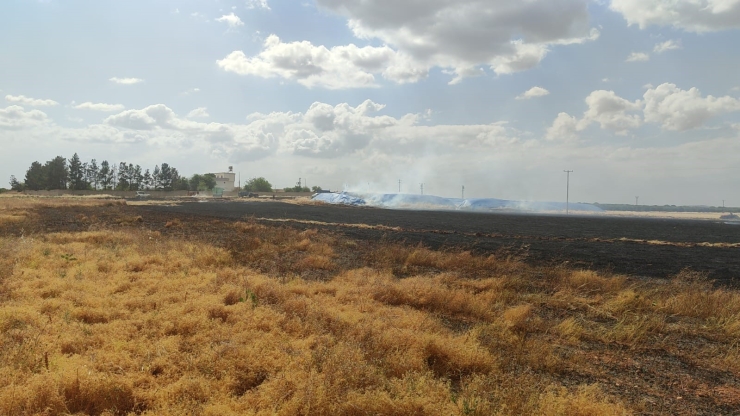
(533, 93)
(16, 117)
(677, 109)
(316, 66)
(604, 107)
(671, 107)
(231, 20)
(690, 15)
(200, 112)
(190, 91)
(100, 107)
(459, 36)
(564, 127)
(638, 57)
(669, 45)
(126, 81)
(612, 112)
(323, 131)
(465, 31)
(257, 4)
(33, 102)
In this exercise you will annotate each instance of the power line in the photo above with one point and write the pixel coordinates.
(567, 191)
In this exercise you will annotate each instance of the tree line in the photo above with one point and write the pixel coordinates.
(60, 173)
(263, 185)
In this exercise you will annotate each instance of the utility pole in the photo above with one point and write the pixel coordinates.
(399, 186)
(422, 188)
(637, 198)
(723, 204)
(567, 191)
(463, 192)
(240, 180)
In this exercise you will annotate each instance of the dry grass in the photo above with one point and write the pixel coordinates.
(128, 321)
(17, 208)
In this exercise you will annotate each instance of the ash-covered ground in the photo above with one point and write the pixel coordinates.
(635, 246)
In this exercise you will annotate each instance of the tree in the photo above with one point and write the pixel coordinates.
(167, 176)
(156, 178)
(57, 173)
(209, 180)
(15, 185)
(182, 184)
(298, 189)
(76, 174)
(202, 182)
(36, 177)
(138, 178)
(123, 182)
(316, 189)
(258, 185)
(93, 174)
(105, 175)
(147, 180)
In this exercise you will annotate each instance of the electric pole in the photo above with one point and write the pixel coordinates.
(399, 186)
(421, 185)
(567, 191)
(463, 192)
(637, 198)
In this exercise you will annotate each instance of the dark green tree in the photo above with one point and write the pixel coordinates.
(76, 174)
(182, 184)
(36, 177)
(156, 178)
(202, 182)
(93, 174)
(15, 185)
(166, 177)
(123, 180)
(57, 173)
(298, 189)
(258, 185)
(138, 179)
(105, 175)
(147, 180)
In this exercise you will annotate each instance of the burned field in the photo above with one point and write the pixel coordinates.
(635, 246)
(263, 308)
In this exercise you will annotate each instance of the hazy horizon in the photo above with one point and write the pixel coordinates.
(638, 98)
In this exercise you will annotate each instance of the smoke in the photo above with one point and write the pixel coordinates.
(437, 203)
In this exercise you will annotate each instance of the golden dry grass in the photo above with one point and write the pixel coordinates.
(128, 321)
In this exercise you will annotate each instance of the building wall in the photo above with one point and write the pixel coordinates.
(226, 181)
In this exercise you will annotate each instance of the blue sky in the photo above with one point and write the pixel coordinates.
(638, 97)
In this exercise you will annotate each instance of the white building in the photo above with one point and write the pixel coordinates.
(226, 180)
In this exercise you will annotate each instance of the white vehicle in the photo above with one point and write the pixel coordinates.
(142, 194)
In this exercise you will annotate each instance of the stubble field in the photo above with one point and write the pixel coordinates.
(111, 309)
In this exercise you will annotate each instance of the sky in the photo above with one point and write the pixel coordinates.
(636, 97)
